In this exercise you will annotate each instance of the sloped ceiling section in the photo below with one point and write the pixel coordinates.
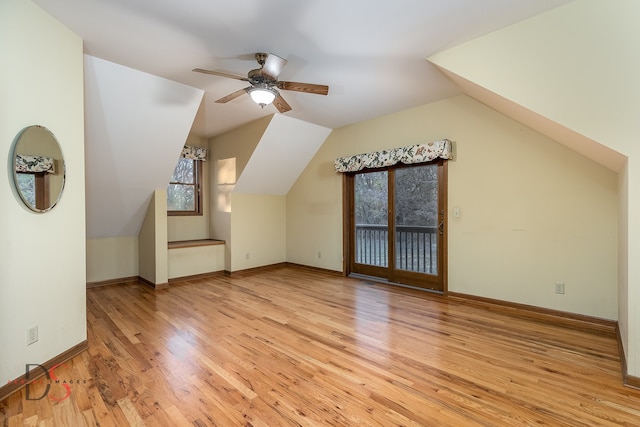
(285, 149)
(552, 73)
(135, 126)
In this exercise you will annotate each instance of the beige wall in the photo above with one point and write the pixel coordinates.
(183, 262)
(236, 145)
(624, 316)
(533, 213)
(112, 258)
(42, 256)
(193, 227)
(152, 241)
(258, 230)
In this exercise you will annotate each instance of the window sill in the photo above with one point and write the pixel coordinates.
(184, 213)
(195, 243)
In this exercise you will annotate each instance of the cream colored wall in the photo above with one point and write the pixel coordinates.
(314, 205)
(152, 241)
(112, 258)
(147, 244)
(533, 213)
(185, 262)
(579, 69)
(237, 144)
(193, 227)
(258, 230)
(624, 316)
(42, 256)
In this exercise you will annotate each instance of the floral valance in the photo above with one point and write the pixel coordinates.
(194, 153)
(34, 164)
(420, 153)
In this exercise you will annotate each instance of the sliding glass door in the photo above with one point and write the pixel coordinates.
(397, 224)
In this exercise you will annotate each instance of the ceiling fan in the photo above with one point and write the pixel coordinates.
(265, 84)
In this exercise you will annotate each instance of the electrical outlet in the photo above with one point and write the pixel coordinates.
(32, 335)
(246, 256)
(319, 254)
(559, 288)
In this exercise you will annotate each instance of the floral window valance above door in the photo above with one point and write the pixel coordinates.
(34, 164)
(194, 153)
(420, 153)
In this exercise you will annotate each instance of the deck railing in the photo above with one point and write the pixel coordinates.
(416, 247)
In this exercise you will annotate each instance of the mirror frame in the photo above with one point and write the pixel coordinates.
(54, 198)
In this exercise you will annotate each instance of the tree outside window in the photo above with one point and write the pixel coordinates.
(184, 191)
(34, 189)
(27, 185)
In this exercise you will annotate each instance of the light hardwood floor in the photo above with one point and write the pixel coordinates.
(294, 347)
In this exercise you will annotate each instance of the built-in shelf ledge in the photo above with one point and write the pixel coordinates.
(195, 243)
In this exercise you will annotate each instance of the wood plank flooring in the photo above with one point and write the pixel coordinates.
(295, 347)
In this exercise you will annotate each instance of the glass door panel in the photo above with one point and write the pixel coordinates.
(416, 219)
(371, 219)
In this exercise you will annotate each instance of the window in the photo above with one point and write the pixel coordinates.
(33, 188)
(184, 194)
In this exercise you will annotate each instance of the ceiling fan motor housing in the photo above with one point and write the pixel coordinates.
(257, 78)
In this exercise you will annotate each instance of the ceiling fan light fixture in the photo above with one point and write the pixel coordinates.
(263, 96)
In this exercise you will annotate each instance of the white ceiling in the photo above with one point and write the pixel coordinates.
(371, 53)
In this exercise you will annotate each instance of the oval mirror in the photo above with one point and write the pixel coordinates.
(38, 168)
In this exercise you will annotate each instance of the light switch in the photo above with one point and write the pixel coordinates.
(456, 212)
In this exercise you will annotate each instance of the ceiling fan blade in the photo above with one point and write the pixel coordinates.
(233, 95)
(218, 73)
(273, 65)
(281, 104)
(304, 87)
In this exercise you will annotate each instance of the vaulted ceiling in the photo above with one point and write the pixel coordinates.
(371, 53)
(143, 99)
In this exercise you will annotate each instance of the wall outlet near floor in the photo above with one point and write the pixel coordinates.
(559, 288)
(319, 254)
(32, 335)
(246, 256)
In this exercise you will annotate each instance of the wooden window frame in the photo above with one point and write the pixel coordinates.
(197, 176)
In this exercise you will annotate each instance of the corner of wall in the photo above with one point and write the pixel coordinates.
(152, 241)
(161, 239)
